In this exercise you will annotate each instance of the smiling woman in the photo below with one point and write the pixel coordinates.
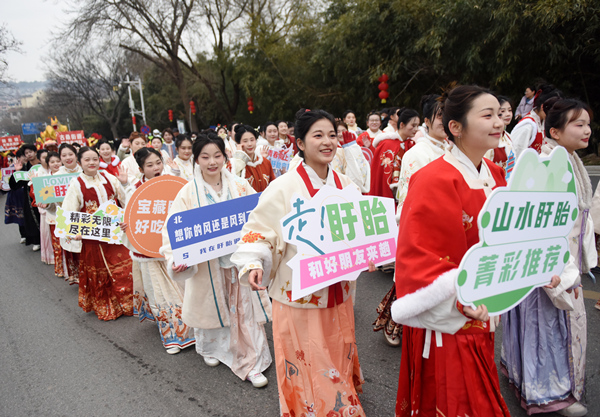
(105, 284)
(540, 326)
(249, 164)
(435, 234)
(318, 372)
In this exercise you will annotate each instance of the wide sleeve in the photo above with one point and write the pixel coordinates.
(122, 152)
(411, 163)
(119, 189)
(356, 166)
(521, 137)
(261, 245)
(181, 203)
(431, 244)
(238, 162)
(73, 201)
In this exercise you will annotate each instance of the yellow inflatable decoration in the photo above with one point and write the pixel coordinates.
(50, 132)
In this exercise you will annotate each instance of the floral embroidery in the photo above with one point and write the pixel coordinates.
(252, 237)
(467, 221)
(91, 206)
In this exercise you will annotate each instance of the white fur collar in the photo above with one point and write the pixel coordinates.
(259, 160)
(114, 161)
(385, 135)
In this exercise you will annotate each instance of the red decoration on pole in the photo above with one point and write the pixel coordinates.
(250, 105)
(383, 86)
(192, 107)
(170, 115)
(133, 120)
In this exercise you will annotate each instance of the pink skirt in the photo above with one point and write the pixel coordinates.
(46, 250)
(318, 372)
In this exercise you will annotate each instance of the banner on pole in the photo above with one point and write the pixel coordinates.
(10, 143)
(75, 136)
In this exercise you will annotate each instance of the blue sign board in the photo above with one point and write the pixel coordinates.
(206, 233)
(33, 128)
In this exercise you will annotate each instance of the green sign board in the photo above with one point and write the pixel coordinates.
(52, 188)
(523, 230)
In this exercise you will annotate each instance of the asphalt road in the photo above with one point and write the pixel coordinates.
(57, 360)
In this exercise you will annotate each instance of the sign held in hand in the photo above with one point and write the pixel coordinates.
(523, 230)
(337, 233)
(147, 211)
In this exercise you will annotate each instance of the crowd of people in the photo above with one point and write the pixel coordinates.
(438, 164)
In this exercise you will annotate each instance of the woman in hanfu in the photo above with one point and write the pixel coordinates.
(228, 319)
(529, 132)
(447, 365)
(389, 150)
(318, 372)
(183, 163)
(54, 164)
(47, 255)
(105, 283)
(68, 158)
(156, 296)
(428, 148)
(503, 155)
(249, 164)
(13, 208)
(545, 337)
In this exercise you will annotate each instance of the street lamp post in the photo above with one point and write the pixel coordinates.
(132, 109)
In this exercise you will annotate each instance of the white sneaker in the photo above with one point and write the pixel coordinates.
(574, 410)
(36, 248)
(174, 350)
(23, 240)
(258, 380)
(210, 361)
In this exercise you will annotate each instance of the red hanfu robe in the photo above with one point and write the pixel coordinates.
(366, 141)
(539, 136)
(105, 280)
(438, 226)
(112, 167)
(387, 159)
(260, 176)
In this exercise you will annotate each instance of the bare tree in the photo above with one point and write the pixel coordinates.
(84, 79)
(7, 43)
(165, 33)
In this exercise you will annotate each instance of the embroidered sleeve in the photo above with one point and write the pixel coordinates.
(260, 246)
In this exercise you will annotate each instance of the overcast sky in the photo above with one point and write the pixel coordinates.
(31, 22)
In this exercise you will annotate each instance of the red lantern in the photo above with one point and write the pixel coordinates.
(170, 115)
(192, 107)
(383, 87)
(250, 105)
